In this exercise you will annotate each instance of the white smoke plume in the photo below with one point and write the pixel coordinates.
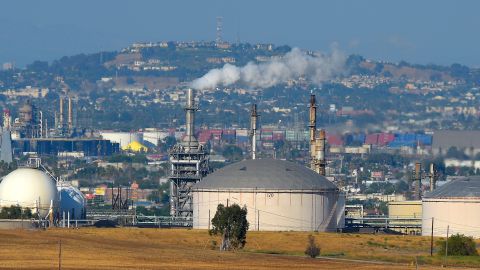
(292, 65)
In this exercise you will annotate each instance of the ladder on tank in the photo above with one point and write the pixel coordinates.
(36, 162)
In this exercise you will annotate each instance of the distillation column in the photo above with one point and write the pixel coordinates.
(253, 129)
(312, 130)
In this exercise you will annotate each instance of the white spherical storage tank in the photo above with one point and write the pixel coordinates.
(279, 196)
(123, 138)
(32, 188)
(72, 201)
(456, 206)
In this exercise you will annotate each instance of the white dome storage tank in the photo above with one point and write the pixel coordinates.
(279, 196)
(30, 188)
(72, 201)
(456, 205)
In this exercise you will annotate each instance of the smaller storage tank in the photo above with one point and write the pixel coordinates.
(455, 205)
(123, 138)
(72, 201)
(32, 188)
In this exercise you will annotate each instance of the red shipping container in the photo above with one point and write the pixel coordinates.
(334, 140)
(385, 138)
(371, 139)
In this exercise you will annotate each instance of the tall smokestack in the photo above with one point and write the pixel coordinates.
(312, 129)
(70, 115)
(189, 141)
(418, 181)
(253, 129)
(433, 177)
(320, 145)
(61, 123)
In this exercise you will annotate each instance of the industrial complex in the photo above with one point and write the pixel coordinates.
(279, 195)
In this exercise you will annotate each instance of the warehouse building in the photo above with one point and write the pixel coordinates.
(467, 141)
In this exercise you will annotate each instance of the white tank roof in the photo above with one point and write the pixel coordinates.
(265, 174)
(30, 188)
(466, 187)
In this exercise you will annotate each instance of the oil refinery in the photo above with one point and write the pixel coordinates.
(278, 194)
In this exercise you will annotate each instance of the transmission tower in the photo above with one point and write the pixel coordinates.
(219, 39)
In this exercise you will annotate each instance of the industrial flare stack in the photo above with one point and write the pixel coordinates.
(253, 129)
(188, 164)
(317, 144)
(433, 177)
(65, 128)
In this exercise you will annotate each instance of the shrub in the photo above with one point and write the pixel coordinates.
(312, 249)
(458, 245)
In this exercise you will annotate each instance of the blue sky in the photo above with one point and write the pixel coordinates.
(428, 31)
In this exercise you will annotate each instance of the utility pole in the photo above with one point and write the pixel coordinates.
(446, 248)
(59, 254)
(258, 220)
(431, 240)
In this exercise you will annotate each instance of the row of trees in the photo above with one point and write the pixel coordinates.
(16, 212)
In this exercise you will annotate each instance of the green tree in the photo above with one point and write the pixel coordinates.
(15, 212)
(232, 152)
(230, 222)
(458, 245)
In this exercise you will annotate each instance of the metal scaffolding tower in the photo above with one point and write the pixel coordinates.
(188, 165)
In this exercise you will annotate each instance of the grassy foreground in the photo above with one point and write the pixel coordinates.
(133, 248)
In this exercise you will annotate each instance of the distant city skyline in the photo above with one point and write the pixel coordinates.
(423, 32)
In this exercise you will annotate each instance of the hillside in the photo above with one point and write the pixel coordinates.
(179, 61)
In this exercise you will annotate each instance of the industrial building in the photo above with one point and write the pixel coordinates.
(467, 141)
(57, 146)
(405, 216)
(28, 124)
(279, 196)
(455, 206)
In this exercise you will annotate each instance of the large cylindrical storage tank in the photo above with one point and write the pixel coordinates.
(123, 138)
(28, 187)
(455, 205)
(154, 136)
(72, 201)
(279, 196)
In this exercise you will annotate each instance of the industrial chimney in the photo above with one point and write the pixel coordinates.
(189, 141)
(320, 145)
(433, 177)
(312, 128)
(418, 181)
(61, 122)
(70, 115)
(253, 129)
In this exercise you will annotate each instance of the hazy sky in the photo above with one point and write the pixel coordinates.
(427, 31)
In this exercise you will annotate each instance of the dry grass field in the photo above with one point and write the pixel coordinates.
(133, 248)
